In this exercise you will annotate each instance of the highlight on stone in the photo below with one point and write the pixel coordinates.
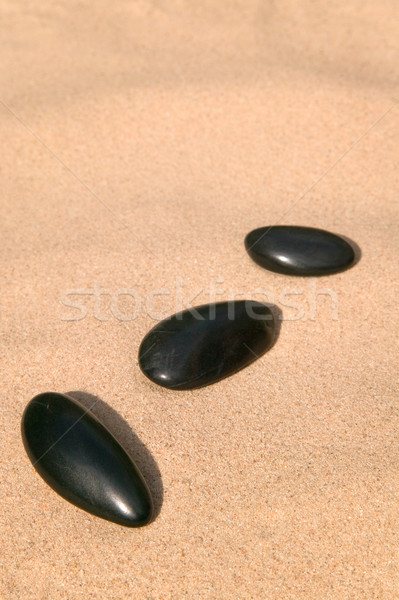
(204, 344)
(83, 462)
(293, 250)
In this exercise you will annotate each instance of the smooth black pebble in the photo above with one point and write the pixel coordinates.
(204, 344)
(299, 250)
(82, 461)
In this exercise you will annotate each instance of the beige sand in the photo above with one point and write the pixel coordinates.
(142, 142)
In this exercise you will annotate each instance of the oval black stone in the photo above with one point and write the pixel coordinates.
(299, 250)
(82, 461)
(204, 344)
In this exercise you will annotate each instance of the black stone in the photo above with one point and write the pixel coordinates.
(299, 250)
(204, 344)
(82, 461)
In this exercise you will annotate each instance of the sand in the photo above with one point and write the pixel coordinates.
(141, 141)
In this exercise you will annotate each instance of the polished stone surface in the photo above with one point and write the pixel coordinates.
(299, 250)
(82, 461)
(204, 344)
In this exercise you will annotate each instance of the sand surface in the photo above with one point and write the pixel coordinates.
(141, 141)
